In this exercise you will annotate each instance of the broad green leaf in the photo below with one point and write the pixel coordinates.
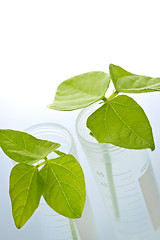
(81, 91)
(64, 188)
(130, 83)
(26, 188)
(23, 147)
(122, 122)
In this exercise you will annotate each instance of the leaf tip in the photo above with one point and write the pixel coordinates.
(153, 147)
(111, 66)
(19, 225)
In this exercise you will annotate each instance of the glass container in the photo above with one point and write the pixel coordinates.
(53, 225)
(126, 182)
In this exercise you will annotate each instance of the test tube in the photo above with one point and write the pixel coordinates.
(53, 225)
(126, 183)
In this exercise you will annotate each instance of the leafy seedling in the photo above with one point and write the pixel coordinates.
(60, 180)
(119, 120)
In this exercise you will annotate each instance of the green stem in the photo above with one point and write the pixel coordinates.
(113, 95)
(104, 99)
(112, 189)
(42, 163)
(73, 229)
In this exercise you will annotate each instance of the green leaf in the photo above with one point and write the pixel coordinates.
(64, 189)
(130, 83)
(81, 91)
(22, 147)
(26, 188)
(122, 122)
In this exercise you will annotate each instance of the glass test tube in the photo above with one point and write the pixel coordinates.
(126, 182)
(53, 225)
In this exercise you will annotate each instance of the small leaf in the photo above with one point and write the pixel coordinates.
(122, 122)
(64, 189)
(22, 147)
(26, 188)
(81, 91)
(130, 83)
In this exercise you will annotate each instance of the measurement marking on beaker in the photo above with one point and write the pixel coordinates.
(138, 214)
(131, 189)
(144, 231)
(129, 196)
(122, 173)
(137, 200)
(124, 185)
(50, 215)
(144, 224)
(135, 221)
(130, 209)
(61, 226)
(127, 177)
(100, 174)
(61, 220)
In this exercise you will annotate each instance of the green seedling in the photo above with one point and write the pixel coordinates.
(59, 180)
(119, 120)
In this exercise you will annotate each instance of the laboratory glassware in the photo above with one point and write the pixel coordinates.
(126, 182)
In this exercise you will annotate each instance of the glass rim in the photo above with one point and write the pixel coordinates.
(78, 121)
(55, 127)
(95, 146)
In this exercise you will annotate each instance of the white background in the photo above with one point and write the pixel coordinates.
(42, 43)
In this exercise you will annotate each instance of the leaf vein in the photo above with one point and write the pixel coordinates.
(132, 130)
(63, 193)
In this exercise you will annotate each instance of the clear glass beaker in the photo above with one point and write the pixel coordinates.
(53, 225)
(126, 182)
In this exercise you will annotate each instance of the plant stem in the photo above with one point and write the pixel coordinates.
(112, 189)
(73, 230)
(104, 99)
(42, 163)
(113, 95)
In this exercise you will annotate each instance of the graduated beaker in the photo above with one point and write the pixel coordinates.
(126, 182)
(53, 225)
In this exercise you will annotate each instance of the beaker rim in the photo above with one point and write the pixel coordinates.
(54, 127)
(94, 145)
